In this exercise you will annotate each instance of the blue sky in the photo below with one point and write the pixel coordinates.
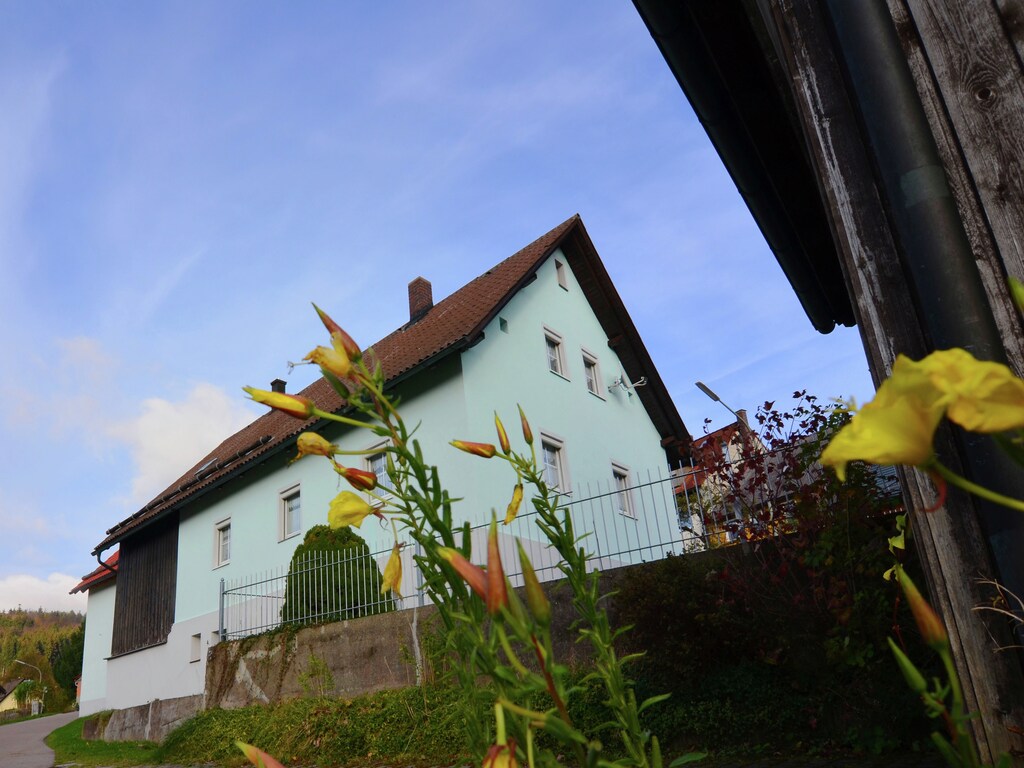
(179, 180)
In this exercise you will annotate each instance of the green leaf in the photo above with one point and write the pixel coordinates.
(649, 702)
(689, 757)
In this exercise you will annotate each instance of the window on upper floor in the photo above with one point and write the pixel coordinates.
(378, 464)
(563, 281)
(623, 491)
(222, 543)
(592, 374)
(556, 352)
(290, 516)
(553, 458)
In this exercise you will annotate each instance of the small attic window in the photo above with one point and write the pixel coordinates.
(563, 281)
(503, 324)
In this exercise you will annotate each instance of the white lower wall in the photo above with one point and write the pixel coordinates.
(175, 668)
(99, 621)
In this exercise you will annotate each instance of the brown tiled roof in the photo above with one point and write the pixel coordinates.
(101, 574)
(450, 325)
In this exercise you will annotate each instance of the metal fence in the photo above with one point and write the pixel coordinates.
(621, 526)
(660, 514)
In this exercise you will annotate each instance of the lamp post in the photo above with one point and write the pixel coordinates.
(740, 417)
(43, 690)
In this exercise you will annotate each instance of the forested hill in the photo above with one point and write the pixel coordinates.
(48, 640)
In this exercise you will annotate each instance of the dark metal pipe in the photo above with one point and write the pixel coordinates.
(935, 250)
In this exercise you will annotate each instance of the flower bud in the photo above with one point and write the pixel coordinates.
(473, 575)
(502, 435)
(527, 432)
(330, 360)
(501, 756)
(293, 405)
(340, 340)
(497, 589)
(536, 600)
(911, 673)
(928, 622)
(312, 444)
(359, 479)
(257, 757)
(484, 450)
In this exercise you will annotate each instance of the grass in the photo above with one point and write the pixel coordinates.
(69, 747)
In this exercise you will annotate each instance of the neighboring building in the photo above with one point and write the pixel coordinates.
(544, 328)
(8, 701)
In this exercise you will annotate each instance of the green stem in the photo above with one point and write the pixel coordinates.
(978, 490)
(341, 419)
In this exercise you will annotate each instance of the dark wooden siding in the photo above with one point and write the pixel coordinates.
(146, 581)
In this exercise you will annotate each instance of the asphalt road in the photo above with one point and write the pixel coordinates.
(21, 744)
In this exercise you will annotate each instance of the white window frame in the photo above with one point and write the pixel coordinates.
(195, 651)
(383, 480)
(562, 468)
(218, 542)
(282, 515)
(591, 363)
(560, 276)
(553, 341)
(622, 479)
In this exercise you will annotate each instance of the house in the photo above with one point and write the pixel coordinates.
(544, 328)
(877, 144)
(8, 701)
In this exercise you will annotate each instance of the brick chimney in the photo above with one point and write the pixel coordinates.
(278, 385)
(421, 298)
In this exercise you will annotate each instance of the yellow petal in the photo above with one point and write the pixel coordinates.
(348, 509)
(393, 572)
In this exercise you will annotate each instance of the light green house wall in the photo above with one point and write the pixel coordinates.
(454, 398)
(98, 626)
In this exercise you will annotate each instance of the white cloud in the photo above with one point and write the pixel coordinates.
(31, 592)
(169, 437)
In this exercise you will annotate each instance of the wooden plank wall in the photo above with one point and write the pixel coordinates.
(953, 548)
(146, 584)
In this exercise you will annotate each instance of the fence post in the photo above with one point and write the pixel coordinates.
(221, 629)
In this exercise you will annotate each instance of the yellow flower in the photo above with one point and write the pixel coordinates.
(393, 572)
(513, 506)
(897, 427)
(348, 509)
(330, 361)
(894, 428)
(299, 407)
(312, 444)
(980, 396)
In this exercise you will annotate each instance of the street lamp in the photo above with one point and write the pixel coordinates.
(37, 669)
(43, 690)
(742, 419)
